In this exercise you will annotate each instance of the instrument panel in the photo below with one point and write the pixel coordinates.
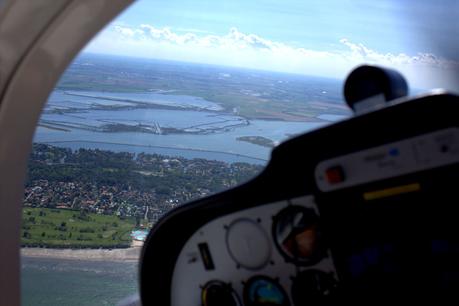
(260, 256)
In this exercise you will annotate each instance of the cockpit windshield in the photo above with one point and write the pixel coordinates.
(177, 100)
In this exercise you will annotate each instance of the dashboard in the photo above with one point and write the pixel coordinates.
(255, 255)
(362, 211)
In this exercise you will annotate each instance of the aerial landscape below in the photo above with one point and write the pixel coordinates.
(122, 141)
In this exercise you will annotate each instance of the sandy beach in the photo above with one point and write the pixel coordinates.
(128, 254)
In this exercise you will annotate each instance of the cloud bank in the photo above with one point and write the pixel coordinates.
(252, 51)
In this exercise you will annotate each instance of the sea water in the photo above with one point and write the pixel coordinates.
(76, 282)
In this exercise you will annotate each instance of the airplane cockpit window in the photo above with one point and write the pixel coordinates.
(178, 100)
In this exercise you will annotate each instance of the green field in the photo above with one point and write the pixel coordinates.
(64, 228)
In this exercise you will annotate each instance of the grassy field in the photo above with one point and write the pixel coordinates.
(63, 228)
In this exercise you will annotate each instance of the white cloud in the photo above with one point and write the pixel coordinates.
(360, 52)
(127, 32)
(252, 51)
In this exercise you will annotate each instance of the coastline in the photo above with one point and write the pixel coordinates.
(128, 254)
(150, 146)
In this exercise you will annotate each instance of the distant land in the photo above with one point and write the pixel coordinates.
(252, 94)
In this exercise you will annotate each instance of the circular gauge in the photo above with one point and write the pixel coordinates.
(217, 293)
(297, 235)
(313, 287)
(248, 244)
(264, 291)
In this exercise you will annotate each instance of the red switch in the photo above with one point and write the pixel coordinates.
(335, 175)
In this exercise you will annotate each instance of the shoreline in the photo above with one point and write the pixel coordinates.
(123, 255)
(57, 142)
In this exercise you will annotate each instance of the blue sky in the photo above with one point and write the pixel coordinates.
(326, 38)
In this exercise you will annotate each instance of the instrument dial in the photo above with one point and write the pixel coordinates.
(297, 235)
(218, 293)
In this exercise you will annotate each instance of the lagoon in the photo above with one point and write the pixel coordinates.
(207, 134)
